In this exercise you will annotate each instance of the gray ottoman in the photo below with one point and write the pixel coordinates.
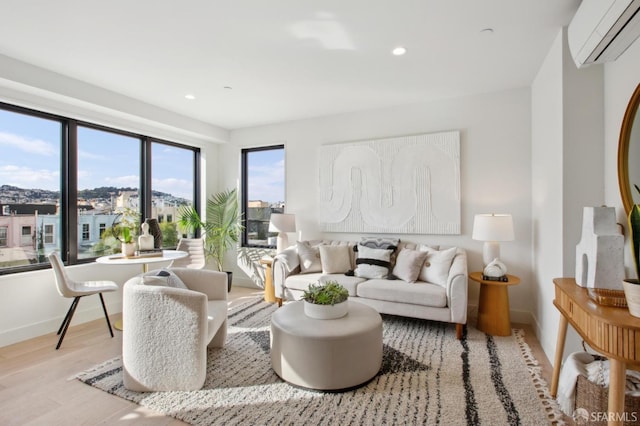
(330, 355)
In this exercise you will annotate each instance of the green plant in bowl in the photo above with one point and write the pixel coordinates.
(127, 238)
(329, 293)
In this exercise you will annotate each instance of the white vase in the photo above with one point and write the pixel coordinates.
(325, 312)
(632, 294)
(128, 249)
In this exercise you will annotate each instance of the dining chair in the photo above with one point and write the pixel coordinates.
(196, 258)
(77, 289)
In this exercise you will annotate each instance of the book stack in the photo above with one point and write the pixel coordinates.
(503, 278)
(149, 253)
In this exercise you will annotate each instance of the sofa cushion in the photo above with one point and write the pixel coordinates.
(309, 257)
(419, 293)
(373, 263)
(301, 282)
(409, 264)
(335, 259)
(436, 267)
(164, 278)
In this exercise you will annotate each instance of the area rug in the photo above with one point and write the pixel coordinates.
(427, 377)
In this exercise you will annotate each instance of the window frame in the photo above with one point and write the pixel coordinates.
(68, 211)
(244, 175)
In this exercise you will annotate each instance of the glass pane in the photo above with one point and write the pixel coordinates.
(265, 194)
(29, 188)
(108, 190)
(172, 185)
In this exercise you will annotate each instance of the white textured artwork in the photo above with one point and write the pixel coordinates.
(408, 184)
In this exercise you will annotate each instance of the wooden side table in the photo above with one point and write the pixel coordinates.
(269, 289)
(493, 305)
(609, 330)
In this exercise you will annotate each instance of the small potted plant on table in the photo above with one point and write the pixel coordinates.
(326, 301)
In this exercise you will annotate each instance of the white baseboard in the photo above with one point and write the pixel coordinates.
(52, 325)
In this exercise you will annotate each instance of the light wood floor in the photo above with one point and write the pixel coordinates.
(37, 385)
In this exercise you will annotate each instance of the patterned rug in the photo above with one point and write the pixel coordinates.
(427, 377)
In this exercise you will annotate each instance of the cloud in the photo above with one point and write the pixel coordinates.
(177, 187)
(32, 146)
(26, 177)
(123, 181)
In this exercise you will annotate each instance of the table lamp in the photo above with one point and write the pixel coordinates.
(282, 223)
(492, 228)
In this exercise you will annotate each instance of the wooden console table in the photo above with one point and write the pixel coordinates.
(611, 331)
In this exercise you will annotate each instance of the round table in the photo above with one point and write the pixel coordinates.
(493, 304)
(120, 259)
(331, 355)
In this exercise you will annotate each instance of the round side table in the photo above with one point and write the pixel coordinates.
(493, 304)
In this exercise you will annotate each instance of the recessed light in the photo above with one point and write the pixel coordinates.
(228, 87)
(190, 96)
(486, 31)
(399, 51)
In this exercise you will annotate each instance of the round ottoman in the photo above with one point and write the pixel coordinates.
(337, 354)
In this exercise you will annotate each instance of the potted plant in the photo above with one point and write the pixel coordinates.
(128, 245)
(632, 286)
(221, 229)
(325, 301)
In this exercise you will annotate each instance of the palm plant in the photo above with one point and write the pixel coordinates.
(222, 227)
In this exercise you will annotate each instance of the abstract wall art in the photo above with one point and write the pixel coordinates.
(406, 184)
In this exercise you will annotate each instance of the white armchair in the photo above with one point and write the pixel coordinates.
(167, 330)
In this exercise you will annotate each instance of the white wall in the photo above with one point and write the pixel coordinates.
(495, 167)
(620, 80)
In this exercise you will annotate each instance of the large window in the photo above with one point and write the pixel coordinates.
(68, 185)
(262, 193)
(172, 186)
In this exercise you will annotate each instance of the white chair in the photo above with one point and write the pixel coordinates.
(77, 289)
(168, 329)
(196, 258)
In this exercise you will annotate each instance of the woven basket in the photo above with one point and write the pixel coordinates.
(595, 399)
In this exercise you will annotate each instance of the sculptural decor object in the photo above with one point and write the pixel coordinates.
(154, 229)
(146, 240)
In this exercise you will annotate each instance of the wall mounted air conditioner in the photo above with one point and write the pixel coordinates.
(601, 30)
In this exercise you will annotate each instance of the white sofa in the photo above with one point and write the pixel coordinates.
(445, 302)
(167, 329)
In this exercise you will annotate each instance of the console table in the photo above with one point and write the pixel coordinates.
(611, 331)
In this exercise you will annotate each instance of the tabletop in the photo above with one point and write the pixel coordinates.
(120, 259)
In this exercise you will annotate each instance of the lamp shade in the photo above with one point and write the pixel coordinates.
(282, 222)
(493, 227)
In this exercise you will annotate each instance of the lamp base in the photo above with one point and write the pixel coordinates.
(282, 242)
(490, 251)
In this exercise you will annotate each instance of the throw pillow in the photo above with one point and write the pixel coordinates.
(164, 278)
(409, 264)
(309, 257)
(334, 259)
(379, 243)
(436, 266)
(372, 263)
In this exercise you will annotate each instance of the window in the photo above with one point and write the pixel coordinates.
(172, 186)
(48, 234)
(262, 193)
(30, 143)
(108, 180)
(25, 239)
(108, 187)
(86, 235)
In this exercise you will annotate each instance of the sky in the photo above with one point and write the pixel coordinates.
(30, 158)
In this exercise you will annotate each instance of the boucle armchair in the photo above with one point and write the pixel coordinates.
(167, 329)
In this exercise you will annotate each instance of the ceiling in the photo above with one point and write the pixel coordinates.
(255, 62)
